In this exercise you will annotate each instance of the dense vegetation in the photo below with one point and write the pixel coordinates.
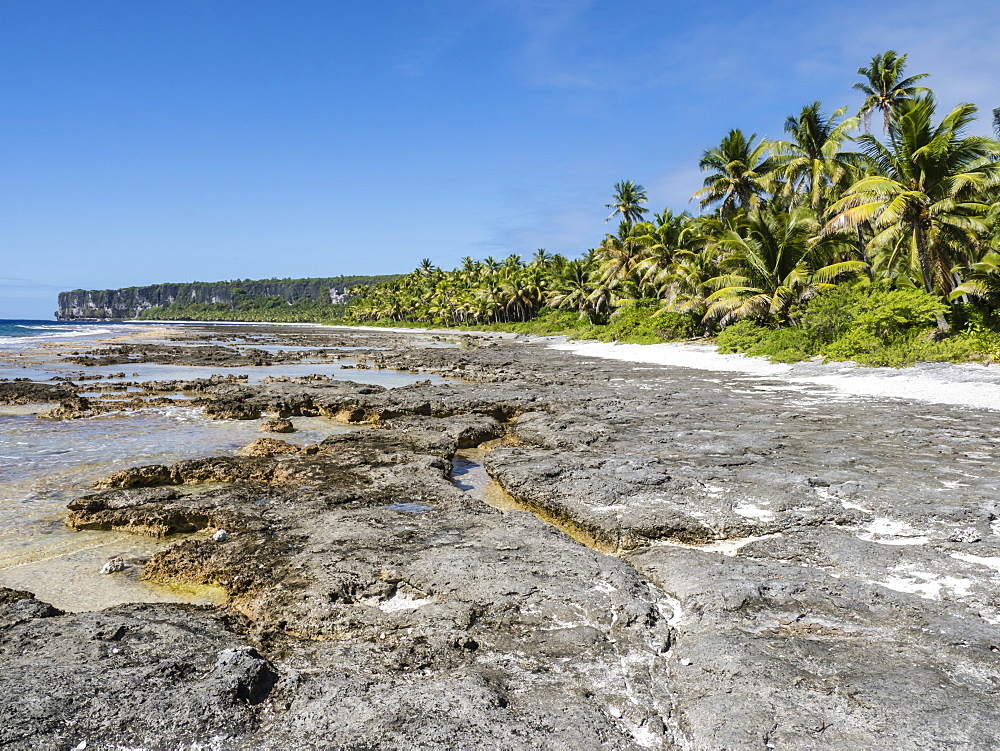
(873, 237)
(315, 299)
(274, 309)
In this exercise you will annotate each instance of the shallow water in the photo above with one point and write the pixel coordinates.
(45, 463)
(469, 475)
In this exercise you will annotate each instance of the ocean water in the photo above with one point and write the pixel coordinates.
(24, 334)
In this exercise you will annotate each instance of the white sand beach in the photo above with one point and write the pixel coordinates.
(967, 385)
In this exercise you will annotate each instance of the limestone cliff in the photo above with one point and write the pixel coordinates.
(133, 302)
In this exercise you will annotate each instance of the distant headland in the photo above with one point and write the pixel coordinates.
(314, 299)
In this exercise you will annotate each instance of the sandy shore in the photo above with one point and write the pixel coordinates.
(968, 385)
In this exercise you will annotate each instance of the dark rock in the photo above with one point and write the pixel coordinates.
(29, 392)
(269, 447)
(168, 673)
(279, 425)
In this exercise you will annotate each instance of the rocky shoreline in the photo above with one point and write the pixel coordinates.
(695, 561)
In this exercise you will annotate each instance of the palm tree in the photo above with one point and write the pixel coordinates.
(541, 258)
(688, 279)
(571, 290)
(983, 281)
(620, 256)
(771, 262)
(670, 233)
(812, 161)
(930, 194)
(627, 201)
(741, 173)
(885, 86)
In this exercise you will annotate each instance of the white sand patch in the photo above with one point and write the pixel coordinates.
(856, 507)
(936, 383)
(882, 526)
(398, 602)
(643, 736)
(749, 511)
(927, 585)
(902, 385)
(699, 356)
(826, 495)
(988, 561)
(724, 547)
(605, 587)
(676, 614)
(891, 532)
(900, 540)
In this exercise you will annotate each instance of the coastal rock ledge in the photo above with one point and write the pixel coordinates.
(682, 560)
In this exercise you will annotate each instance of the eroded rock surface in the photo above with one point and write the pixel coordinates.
(135, 675)
(764, 568)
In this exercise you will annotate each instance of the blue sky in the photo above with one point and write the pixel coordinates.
(187, 140)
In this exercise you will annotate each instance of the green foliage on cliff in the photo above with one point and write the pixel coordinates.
(271, 309)
(306, 300)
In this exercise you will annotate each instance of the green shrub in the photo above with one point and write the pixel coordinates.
(787, 345)
(673, 326)
(898, 311)
(741, 336)
(779, 345)
(870, 324)
(831, 313)
(645, 322)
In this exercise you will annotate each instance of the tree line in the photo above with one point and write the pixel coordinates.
(895, 197)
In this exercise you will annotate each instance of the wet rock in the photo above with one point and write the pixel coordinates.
(450, 433)
(280, 425)
(123, 499)
(382, 603)
(165, 354)
(113, 566)
(269, 447)
(618, 501)
(139, 477)
(152, 511)
(829, 662)
(17, 606)
(231, 410)
(793, 571)
(243, 675)
(72, 408)
(29, 392)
